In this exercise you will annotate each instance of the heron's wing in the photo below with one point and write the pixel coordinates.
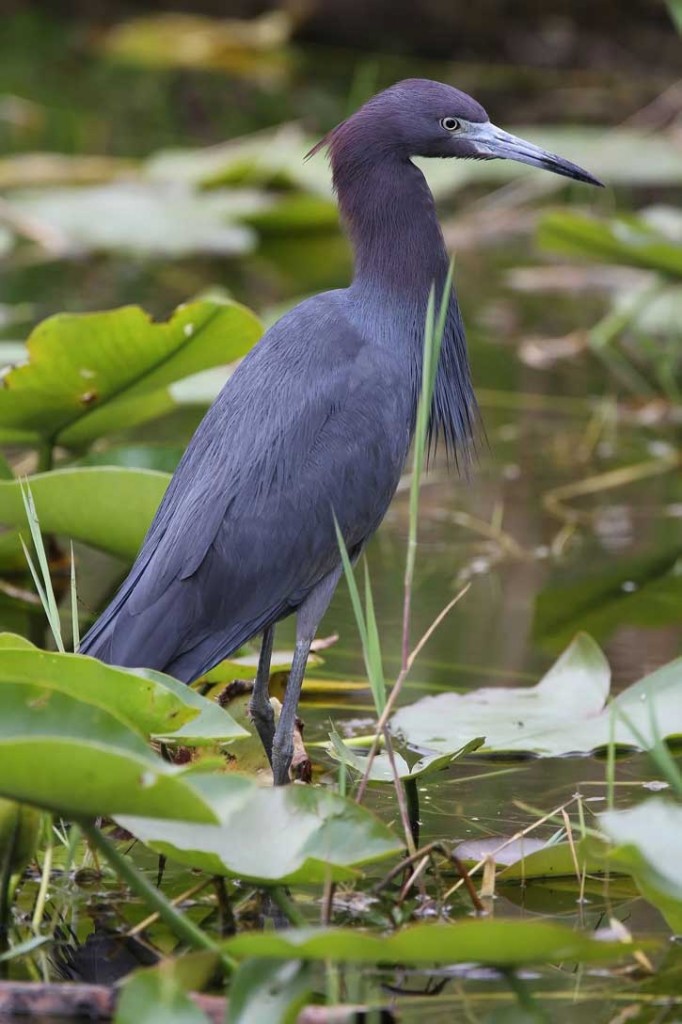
(312, 424)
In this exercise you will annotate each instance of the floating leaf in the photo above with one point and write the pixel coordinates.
(647, 840)
(78, 760)
(565, 713)
(85, 504)
(269, 990)
(158, 995)
(497, 943)
(169, 220)
(155, 704)
(12, 641)
(210, 723)
(289, 833)
(382, 771)
(90, 374)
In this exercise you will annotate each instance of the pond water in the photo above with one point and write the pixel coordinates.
(544, 428)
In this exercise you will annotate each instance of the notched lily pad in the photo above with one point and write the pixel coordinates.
(91, 374)
(566, 712)
(646, 842)
(291, 833)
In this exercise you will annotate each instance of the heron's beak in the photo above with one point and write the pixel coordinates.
(494, 143)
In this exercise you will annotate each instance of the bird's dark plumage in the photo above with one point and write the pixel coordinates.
(246, 530)
(317, 420)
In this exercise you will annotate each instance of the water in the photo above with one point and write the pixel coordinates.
(543, 429)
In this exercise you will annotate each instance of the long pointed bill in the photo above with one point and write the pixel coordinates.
(494, 143)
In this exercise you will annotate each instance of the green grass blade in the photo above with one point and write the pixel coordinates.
(375, 671)
(367, 626)
(46, 591)
(75, 630)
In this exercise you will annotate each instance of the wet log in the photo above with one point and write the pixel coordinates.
(72, 1001)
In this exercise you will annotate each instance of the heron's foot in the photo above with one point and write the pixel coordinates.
(263, 717)
(282, 756)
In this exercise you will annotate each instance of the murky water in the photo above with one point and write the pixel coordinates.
(544, 428)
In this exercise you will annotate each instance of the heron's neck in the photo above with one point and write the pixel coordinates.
(390, 216)
(400, 255)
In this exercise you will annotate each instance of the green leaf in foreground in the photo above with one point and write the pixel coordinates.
(495, 943)
(269, 990)
(157, 996)
(85, 504)
(78, 760)
(90, 374)
(566, 712)
(289, 833)
(647, 841)
(154, 704)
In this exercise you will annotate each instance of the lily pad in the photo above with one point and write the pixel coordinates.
(154, 704)
(168, 220)
(73, 758)
(289, 833)
(382, 771)
(93, 373)
(85, 504)
(493, 942)
(647, 841)
(566, 712)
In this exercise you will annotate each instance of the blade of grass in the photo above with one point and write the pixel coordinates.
(75, 630)
(46, 590)
(433, 340)
(370, 648)
(377, 678)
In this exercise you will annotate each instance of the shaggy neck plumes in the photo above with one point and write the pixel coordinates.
(389, 214)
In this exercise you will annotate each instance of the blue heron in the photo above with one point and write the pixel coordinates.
(316, 422)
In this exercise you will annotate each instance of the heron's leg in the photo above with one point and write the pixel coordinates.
(307, 621)
(260, 707)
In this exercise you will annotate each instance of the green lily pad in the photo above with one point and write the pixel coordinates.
(646, 842)
(289, 833)
(566, 712)
(168, 220)
(74, 758)
(493, 942)
(160, 994)
(154, 704)
(270, 990)
(382, 771)
(90, 374)
(85, 504)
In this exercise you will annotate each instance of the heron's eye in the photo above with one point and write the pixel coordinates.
(451, 124)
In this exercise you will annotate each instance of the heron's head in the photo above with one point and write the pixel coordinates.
(418, 117)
